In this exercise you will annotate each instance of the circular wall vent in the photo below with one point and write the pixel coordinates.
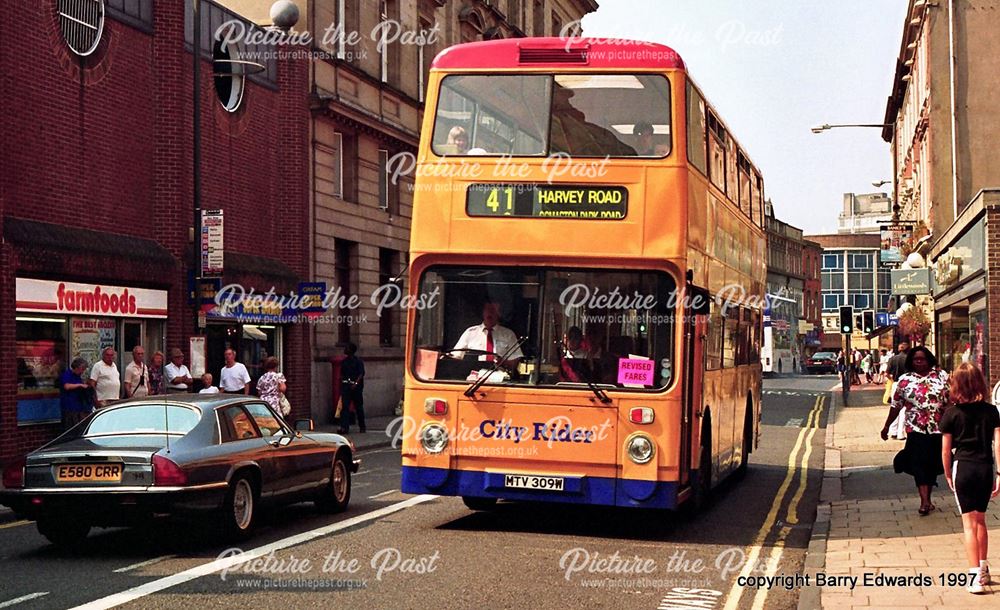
(82, 23)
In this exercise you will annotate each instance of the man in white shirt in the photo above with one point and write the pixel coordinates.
(104, 378)
(491, 337)
(136, 375)
(234, 378)
(175, 375)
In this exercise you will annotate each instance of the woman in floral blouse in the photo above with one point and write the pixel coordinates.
(156, 374)
(923, 393)
(272, 385)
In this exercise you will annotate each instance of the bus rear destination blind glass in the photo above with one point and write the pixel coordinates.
(547, 201)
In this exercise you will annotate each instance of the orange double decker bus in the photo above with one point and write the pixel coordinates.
(587, 262)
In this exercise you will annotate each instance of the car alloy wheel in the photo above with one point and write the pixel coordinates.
(239, 510)
(336, 495)
(242, 504)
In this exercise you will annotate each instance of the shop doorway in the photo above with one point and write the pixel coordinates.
(253, 344)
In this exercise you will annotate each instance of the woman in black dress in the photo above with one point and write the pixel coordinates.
(972, 428)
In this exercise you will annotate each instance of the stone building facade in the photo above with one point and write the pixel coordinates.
(367, 102)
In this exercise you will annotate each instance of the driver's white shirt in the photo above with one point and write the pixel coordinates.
(474, 337)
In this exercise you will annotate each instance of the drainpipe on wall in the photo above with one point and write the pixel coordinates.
(954, 110)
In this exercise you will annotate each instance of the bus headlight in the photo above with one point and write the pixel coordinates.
(433, 438)
(640, 448)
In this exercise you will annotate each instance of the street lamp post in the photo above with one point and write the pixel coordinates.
(828, 126)
(196, 160)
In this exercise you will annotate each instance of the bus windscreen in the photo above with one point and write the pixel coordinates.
(583, 115)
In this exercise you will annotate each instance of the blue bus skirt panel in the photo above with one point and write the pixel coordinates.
(577, 490)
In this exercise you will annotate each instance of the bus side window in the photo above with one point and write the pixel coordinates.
(729, 344)
(713, 342)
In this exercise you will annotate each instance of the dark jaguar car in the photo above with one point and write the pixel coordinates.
(182, 455)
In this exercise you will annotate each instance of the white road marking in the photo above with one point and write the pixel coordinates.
(679, 597)
(14, 524)
(143, 564)
(211, 567)
(794, 422)
(23, 598)
(377, 451)
(384, 493)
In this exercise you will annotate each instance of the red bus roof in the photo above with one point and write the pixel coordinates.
(558, 53)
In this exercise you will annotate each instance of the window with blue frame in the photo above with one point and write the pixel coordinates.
(861, 262)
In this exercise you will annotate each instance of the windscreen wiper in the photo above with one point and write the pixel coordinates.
(478, 383)
(601, 394)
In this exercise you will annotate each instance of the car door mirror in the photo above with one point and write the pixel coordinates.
(281, 441)
(304, 425)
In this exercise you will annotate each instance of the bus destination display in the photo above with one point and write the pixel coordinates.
(547, 201)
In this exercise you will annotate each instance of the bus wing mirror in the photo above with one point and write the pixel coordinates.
(699, 301)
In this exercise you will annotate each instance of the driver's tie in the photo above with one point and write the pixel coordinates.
(489, 345)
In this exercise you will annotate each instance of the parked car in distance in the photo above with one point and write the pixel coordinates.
(822, 362)
(180, 455)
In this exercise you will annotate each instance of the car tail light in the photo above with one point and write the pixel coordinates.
(641, 415)
(13, 474)
(165, 472)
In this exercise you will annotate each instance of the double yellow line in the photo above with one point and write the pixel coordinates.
(794, 464)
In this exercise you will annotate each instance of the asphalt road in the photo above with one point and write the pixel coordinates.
(392, 550)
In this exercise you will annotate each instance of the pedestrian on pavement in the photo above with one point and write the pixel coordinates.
(352, 373)
(105, 379)
(156, 374)
(137, 375)
(206, 385)
(866, 367)
(923, 394)
(896, 368)
(883, 368)
(177, 376)
(235, 379)
(76, 400)
(272, 385)
(972, 428)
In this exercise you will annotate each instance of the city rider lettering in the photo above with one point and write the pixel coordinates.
(566, 434)
(505, 430)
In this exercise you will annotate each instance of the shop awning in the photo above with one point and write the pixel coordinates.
(252, 332)
(44, 248)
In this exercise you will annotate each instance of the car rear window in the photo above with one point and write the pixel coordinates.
(144, 419)
(823, 356)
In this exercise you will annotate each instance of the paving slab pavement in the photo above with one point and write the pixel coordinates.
(867, 525)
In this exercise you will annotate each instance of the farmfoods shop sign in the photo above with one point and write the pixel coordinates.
(46, 296)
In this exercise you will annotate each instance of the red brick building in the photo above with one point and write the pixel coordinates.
(812, 309)
(96, 198)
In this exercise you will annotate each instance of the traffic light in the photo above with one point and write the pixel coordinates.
(868, 324)
(846, 319)
(858, 323)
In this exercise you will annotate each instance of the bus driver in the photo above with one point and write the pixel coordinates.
(490, 336)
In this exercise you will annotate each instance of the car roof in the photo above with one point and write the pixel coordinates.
(203, 401)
